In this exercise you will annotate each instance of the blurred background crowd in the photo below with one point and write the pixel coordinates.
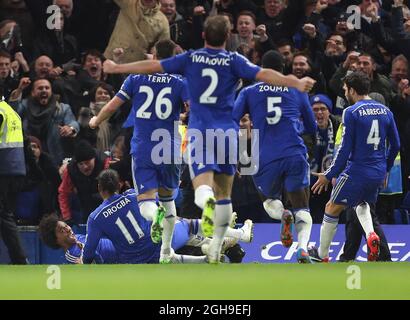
(51, 74)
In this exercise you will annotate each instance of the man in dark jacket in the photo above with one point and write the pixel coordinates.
(79, 178)
(398, 31)
(7, 82)
(366, 64)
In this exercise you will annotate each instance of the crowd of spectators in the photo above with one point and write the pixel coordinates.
(51, 74)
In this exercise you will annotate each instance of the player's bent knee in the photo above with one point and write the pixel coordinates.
(148, 209)
(222, 194)
(205, 178)
(202, 194)
(273, 205)
(303, 215)
(165, 193)
(333, 209)
(299, 198)
(150, 194)
(274, 208)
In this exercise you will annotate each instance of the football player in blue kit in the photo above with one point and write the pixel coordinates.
(370, 143)
(119, 234)
(276, 112)
(119, 219)
(212, 75)
(157, 101)
(57, 234)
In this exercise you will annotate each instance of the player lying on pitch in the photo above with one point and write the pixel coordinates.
(113, 238)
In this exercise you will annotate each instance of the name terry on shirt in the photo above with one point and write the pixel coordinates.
(113, 209)
(210, 61)
(157, 79)
(372, 112)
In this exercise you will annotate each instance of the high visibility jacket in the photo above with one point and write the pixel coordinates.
(11, 142)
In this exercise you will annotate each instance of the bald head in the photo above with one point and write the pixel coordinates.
(42, 66)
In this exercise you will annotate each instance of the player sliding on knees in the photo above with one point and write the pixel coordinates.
(276, 113)
(157, 101)
(370, 143)
(212, 76)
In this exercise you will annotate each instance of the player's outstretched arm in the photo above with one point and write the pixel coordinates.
(346, 146)
(106, 112)
(94, 235)
(139, 67)
(275, 78)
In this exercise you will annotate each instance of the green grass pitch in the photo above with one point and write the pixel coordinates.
(225, 281)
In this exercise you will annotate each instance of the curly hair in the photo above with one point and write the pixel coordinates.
(47, 231)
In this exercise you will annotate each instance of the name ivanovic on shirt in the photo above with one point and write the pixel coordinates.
(211, 61)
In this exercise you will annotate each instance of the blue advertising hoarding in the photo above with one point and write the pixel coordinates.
(266, 246)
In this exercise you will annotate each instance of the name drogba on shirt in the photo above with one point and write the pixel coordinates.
(115, 207)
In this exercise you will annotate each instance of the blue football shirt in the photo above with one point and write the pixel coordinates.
(276, 112)
(367, 125)
(157, 101)
(119, 220)
(212, 76)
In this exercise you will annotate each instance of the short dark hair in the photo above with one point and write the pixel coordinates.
(273, 60)
(33, 81)
(92, 52)
(359, 82)
(165, 49)
(105, 86)
(216, 30)
(109, 181)
(47, 231)
(365, 54)
(5, 54)
(303, 54)
(249, 14)
(339, 35)
(285, 42)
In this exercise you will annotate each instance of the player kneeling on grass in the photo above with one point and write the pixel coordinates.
(125, 225)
